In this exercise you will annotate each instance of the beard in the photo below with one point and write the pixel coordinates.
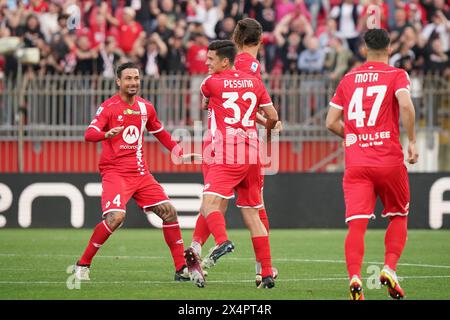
(132, 91)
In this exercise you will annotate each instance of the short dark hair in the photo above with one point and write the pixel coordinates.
(377, 39)
(224, 49)
(123, 66)
(247, 32)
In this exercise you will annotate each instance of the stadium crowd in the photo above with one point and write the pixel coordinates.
(169, 36)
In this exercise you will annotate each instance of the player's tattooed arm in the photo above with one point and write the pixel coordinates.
(205, 103)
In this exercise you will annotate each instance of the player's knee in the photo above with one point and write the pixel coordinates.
(172, 214)
(115, 219)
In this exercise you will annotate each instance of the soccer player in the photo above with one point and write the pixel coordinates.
(248, 37)
(120, 123)
(234, 98)
(371, 98)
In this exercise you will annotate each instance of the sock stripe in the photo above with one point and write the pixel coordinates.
(170, 225)
(106, 226)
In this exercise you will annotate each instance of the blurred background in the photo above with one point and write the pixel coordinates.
(57, 62)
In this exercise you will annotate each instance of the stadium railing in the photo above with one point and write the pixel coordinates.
(45, 112)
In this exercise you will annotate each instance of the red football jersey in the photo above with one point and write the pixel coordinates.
(124, 153)
(367, 95)
(246, 62)
(234, 98)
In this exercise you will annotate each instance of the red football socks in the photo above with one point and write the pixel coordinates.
(216, 224)
(172, 235)
(261, 246)
(354, 246)
(99, 236)
(201, 231)
(395, 240)
(263, 218)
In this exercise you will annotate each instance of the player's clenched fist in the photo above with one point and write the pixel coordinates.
(413, 155)
(113, 132)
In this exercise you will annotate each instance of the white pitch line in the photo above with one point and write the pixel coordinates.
(228, 258)
(211, 281)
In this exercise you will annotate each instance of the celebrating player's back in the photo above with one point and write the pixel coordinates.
(371, 99)
(371, 114)
(233, 112)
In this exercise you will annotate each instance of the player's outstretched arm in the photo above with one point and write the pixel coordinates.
(408, 116)
(334, 122)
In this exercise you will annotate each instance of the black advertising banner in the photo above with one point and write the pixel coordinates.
(307, 200)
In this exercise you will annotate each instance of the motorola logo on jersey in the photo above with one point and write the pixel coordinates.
(130, 134)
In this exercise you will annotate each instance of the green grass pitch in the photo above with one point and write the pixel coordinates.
(136, 264)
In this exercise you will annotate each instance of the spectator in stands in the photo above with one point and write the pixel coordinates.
(410, 49)
(339, 57)
(315, 7)
(289, 35)
(439, 27)
(401, 23)
(38, 6)
(224, 28)
(404, 57)
(154, 56)
(31, 33)
(146, 16)
(438, 60)
(87, 57)
(49, 20)
(264, 12)
(196, 56)
(50, 62)
(61, 41)
(312, 59)
(197, 50)
(167, 8)
(176, 56)
(130, 33)
(328, 34)
(110, 57)
(163, 28)
(347, 17)
(208, 15)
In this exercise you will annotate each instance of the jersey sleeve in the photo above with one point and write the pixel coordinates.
(402, 82)
(100, 120)
(96, 129)
(338, 99)
(205, 87)
(153, 124)
(264, 99)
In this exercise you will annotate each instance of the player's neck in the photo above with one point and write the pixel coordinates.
(127, 99)
(375, 58)
(253, 51)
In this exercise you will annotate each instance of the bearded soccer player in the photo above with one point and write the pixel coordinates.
(120, 124)
(371, 98)
(234, 98)
(247, 36)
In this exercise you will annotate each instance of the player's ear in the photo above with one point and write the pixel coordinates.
(118, 82)
(389, 50)
(364, 51)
